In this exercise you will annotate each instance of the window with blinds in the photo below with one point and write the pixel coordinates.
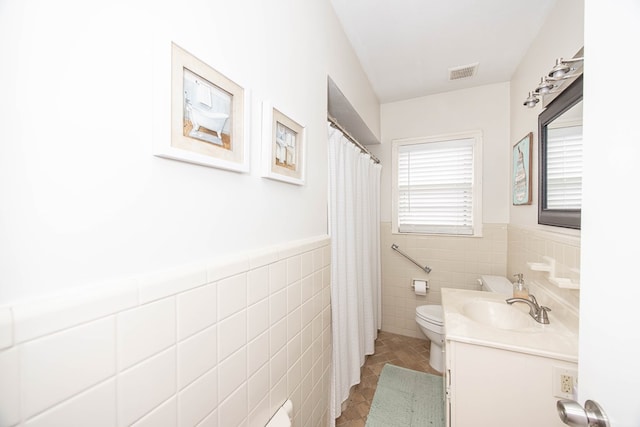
(436, 189)
(564, 167)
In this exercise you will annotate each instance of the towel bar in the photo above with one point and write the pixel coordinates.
(425, 268)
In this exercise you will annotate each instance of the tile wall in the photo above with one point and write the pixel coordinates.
(531, 245)
(223, 344)
(456, 262)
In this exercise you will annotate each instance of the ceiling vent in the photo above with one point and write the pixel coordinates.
(463, 71)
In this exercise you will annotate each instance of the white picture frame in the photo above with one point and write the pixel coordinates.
(209, 116)
(283, 146)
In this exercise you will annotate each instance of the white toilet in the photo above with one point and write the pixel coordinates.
(431, 323)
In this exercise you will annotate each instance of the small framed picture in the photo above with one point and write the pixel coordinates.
(521, 178)
(208, 122)
(283, 147)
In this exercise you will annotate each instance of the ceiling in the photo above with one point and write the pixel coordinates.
(407, 47)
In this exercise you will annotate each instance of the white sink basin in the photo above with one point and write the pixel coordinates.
(496, 314)
(484, 318)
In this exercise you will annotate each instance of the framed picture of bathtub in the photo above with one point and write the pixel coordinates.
(283, 146)
(208, 122)
(521, 178)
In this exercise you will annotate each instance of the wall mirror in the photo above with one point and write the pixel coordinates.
(560, 159)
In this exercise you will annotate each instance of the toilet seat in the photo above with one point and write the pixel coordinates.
(431, 313)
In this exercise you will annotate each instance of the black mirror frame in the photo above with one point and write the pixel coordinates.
(568, 218)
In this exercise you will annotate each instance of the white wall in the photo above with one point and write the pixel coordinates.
(84, 200)
(348, 75)
(561, 36)
(484, 108)
(456, 262)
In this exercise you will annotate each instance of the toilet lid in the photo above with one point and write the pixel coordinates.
(432, 313)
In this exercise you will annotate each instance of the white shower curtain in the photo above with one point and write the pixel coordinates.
(354, 216)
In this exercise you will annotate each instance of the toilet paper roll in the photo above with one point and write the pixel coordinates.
(282, 417)
(420, 287)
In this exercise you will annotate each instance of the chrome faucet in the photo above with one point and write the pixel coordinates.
(538, 312)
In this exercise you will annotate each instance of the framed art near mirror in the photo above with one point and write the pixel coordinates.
(560, 159)
(521, 177)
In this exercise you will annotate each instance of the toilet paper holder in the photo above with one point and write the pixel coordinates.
(413, 283)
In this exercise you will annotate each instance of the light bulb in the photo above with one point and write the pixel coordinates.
(559, 70)
(544, 87)
(531, 101)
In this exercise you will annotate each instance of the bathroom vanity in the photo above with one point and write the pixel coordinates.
(502, 368)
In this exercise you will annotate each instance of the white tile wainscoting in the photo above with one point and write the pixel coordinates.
(531, 245)
(456, 262)
(223, 344)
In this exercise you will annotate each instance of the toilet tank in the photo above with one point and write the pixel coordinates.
(496, 284)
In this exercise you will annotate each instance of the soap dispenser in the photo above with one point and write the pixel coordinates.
(520, 290)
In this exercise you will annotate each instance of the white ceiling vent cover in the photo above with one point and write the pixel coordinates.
(463, 71)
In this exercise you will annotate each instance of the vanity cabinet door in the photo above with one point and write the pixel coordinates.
(495, 387)
(447, 395)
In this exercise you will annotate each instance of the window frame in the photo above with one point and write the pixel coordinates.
(477, 180)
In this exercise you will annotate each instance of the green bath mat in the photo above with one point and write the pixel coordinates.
(407, 398)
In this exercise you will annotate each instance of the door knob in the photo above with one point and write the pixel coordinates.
(574, 415)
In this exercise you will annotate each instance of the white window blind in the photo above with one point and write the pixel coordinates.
(564, 168)
(435, 187)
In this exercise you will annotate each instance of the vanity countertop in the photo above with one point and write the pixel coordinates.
(554, 340)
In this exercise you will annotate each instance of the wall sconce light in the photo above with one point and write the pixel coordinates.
(544, 87)
(563, 70)
(531, 100)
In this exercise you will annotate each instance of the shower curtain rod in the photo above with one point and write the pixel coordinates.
(347, 135)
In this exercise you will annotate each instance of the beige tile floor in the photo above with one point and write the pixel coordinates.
(412, 353)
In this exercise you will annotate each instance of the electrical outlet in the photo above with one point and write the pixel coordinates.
(565, 382)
